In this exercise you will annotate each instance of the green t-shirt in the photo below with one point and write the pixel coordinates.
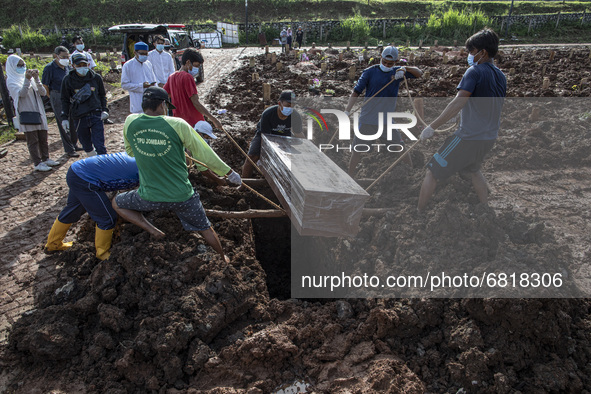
(158, 144)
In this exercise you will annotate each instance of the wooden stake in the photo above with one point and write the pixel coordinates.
(535, 114)
(340, 57)
(348, 45)
(266, 92)
(279, 66)
(352, 72)
(411, 57)
(266, 49)
(323, 67)
(512, 71)
(546, 83)
(426, 75)
(248, 214)
(420, 44)
(552, 54)
(252, 62)
(445, 59)
(454, 70)
(255, 77)
(273, 58)
(436, 42)
(543, 71)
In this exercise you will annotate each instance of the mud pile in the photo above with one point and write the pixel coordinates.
(171, 316)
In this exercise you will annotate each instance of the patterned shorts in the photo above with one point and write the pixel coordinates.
(190, 212)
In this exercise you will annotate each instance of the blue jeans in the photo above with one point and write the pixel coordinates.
(91, 132)
(86, 197)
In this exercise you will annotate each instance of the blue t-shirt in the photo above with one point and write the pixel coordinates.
(371, 81)
(115, 171)
(481, 116)
(53, 76)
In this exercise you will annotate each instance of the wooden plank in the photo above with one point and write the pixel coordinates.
(320, 198)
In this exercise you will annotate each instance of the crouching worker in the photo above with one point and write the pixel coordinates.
(88, 181)
(158, 143)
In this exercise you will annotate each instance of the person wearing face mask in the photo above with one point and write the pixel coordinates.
(26, 90)
(480, 99)
(53, 75)
(136, 76)
(278, 119)
(182, 89)
(80, 49)
(84, 100)
(162, 62)
(372, 80)
(158, 143)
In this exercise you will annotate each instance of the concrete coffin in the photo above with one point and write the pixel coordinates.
(320, 198)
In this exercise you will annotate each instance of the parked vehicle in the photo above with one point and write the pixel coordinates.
(180, 40)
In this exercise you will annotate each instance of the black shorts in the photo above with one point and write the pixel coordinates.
(457, 154)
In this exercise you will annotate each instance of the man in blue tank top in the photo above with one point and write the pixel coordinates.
(480, 99)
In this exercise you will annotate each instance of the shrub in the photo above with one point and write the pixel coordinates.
(354, 29)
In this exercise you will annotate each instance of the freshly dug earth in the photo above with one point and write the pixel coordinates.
(171, 316)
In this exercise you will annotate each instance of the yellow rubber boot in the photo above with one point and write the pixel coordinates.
(56, 237)
(102, 242)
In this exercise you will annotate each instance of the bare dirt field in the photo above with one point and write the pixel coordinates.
(172, 317)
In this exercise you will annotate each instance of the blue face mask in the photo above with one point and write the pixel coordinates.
(194, 71)
(142, 58)
(80, 47)
(21, 70)
(82, 70)
(286, 111)
(159, 47)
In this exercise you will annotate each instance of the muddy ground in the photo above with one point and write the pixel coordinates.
(170, 316)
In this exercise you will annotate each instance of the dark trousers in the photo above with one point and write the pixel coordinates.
(91, 132)
(86, 197)
(68, 139)
(37, 144)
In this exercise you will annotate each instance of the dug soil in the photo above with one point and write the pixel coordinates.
(170, 316)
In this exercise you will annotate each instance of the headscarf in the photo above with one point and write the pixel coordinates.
(14, 80)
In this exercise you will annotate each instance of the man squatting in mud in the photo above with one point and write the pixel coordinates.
(480, 97)
(158, 144)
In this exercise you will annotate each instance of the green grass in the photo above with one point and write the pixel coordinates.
(111, 12)
(6, 134)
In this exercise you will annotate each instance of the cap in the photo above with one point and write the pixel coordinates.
(78, 58)
(390, 53)
(287, 95)
(157, 93)
(204, 127)
(140, 46)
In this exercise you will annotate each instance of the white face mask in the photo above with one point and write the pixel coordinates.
(471, 59)
(384, 68)
(64, 62)
(80, 47)
(194, 71)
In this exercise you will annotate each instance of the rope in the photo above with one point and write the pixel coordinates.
(392, 166)
(362, 105)
(242, 151)
(248, 187)
(417, 112)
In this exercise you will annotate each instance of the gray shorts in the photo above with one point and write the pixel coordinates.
(255, 145)
(190, 212)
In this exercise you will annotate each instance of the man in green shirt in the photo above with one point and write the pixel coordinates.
(158, 144)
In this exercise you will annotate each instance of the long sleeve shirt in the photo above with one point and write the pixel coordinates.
(162, 64)
(133, 76)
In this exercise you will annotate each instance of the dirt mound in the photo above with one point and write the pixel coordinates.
(170, 316)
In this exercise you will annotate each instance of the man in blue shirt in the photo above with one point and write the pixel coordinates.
(88, 180)
(480, 97)
(53, 74)
(372, 80)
